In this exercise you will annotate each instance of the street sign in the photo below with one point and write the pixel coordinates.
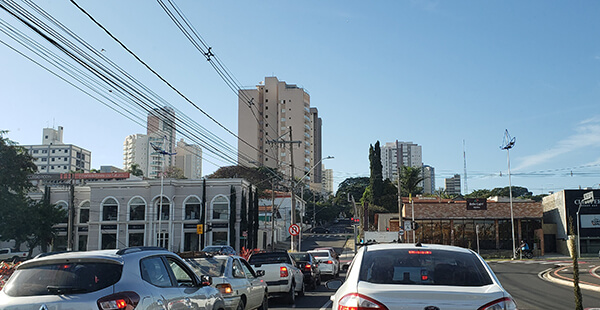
(408, 225)
(401, 232)
(199, 229)
(294, 230)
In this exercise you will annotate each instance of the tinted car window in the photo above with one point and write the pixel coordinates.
(269, 258)
(155, 272)
(70, 278)
(301, 257)
(428, 267)
(321, 254)
(211, 266)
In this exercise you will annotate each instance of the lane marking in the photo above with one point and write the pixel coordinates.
(326, 305)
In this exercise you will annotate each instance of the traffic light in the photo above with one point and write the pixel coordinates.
(415, 225)
(355, 220)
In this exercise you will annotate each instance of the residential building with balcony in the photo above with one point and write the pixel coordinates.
(54, 156)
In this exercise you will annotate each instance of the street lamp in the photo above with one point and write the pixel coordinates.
(161, 151)
(293, 207)
(508, 144)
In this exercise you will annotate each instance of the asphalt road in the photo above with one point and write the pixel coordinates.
(522, 279)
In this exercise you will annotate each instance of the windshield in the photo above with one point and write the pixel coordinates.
(423, 267)
(214, 267)
(70, 278)
(321, 254)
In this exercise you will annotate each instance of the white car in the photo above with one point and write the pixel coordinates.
(416, 277)
(241, 286)
(328, 264)
(281, 274)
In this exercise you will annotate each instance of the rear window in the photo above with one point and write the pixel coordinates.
(321, 254)
(66, 278)
(211, 266)
(423, 267)
(269, 258)
(301, 257)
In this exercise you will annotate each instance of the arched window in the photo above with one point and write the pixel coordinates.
(84, 213)
(110, 210)
(166, 207)
(137, 209)
(220, 208)
(63, 205)
(192, 209)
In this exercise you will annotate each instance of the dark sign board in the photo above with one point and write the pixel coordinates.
(476, 204)
(108, 227)
(135, 226)
(589, 211)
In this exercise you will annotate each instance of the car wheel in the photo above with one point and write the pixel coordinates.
(241, 305)
(265, 303)
(529, 255)
(302, 290)
(291, 295)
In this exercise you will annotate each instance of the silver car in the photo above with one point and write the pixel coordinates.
(419, 276)
(241, 286)
(132, 278)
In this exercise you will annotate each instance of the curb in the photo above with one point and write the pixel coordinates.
(547, 275)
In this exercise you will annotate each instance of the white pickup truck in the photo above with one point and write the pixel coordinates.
(281, 274)
(11, 255)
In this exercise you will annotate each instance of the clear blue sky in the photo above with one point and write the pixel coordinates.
(436, 73)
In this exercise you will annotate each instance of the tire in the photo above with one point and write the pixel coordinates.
(291, 295)
(529, 255)
(241, 305)
(302, 290)
(265, 303)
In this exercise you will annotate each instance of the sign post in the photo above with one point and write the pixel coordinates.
(587, 198)
(294, 229)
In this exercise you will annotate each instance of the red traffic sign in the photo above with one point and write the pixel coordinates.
(294, 229)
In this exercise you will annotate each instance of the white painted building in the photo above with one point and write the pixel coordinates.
(188, 159)
(395, 153)
(54, 156)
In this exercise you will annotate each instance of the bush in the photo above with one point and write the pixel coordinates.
(6, 270)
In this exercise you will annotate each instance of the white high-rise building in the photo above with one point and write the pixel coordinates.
(139, 149)
(265, 116)
(327, 181)
(189, 159)
(453, 185)
(410, 155)
(54, 156)
(428, 173)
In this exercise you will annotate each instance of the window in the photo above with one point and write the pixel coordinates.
(110, 210)
(136, 239)
(166, 206)
(137, 209)
(109, 241)
(190, 242)
(237, 270)
(220, 207)
(219, 238)
(192, 209)
(84, 213)
(155, 272)
(63, 205)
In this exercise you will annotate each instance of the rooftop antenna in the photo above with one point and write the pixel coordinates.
(465, 164)
(508, 144)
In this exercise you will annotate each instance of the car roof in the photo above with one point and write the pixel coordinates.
(114, 255)
(418, 246)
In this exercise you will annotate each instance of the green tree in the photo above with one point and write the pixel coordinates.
(376, 177)
(260, 177)
(480, 193)
(135, 170)
(411, 177)
(44, 217)
(173, 172)
(350, 186)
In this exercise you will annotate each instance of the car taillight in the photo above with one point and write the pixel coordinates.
(121, 300)
(505, 303)
(329, 262)
(283, 272)
(225, 288)
(307, 267)
(355, 301)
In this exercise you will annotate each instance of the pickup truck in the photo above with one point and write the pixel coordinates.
(281, 274)
(12, 255)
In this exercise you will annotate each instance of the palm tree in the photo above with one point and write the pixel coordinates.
(135, 170)
(411, 177)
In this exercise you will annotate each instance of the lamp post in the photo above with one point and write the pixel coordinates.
(508, 144)
(293, 188)
(159, 149)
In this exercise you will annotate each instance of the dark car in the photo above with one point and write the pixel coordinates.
(310, 268)
(319, 230)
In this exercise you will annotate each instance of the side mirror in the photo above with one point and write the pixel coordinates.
(333, 285)
(260, 273)
(206, 280)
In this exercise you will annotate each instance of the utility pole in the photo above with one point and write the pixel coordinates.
(292, 184)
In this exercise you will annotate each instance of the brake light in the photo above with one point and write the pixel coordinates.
(225, 288)
(505, 303)
(121, 300)
(355, 301)
(329, 262)
(419, 252)
(283, 272)
(307, 267)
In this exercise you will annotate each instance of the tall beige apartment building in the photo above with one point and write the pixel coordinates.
(265, 115)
